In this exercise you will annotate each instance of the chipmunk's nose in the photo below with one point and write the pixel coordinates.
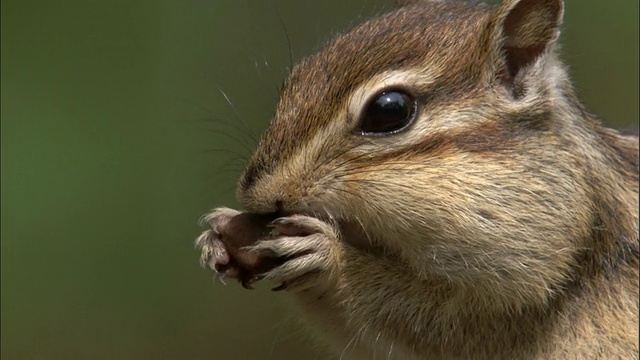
(265, 197)
(257, 196)
(265, 189)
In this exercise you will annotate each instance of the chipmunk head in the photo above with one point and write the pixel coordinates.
(437, 127)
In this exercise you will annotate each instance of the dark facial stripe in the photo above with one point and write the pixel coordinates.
(489, 139)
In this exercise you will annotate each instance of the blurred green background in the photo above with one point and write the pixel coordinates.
(109, 157)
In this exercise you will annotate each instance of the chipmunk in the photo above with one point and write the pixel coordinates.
(439, 192)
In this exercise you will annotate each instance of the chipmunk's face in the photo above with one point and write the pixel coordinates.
(423, 126)
(368, 99)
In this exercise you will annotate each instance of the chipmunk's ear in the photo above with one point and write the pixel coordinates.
(524, 30)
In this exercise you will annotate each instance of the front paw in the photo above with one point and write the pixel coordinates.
(214, 254)
(311, 250)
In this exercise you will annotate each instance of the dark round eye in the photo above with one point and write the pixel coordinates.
(387, 113)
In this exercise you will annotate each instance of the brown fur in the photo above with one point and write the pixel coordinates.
(502, 224)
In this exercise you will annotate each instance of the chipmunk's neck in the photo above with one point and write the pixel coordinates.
(610, 165)
(607, 263)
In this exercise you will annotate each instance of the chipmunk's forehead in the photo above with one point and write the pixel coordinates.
(429, 36)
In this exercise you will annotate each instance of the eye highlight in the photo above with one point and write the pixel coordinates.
(387, 113)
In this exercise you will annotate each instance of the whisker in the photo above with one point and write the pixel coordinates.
(240, 134)
(223, 191)
(412, 165)
(224, 151)
(364, 229)
(328, 160)
(266, 63)
(233, 126)
(344, 351)
(274, 95)
(350, 172)
(379, 182)
(234, 138)
(354, 194)
(358, 157)
(234, 163)
(286, 33)
(235, 110)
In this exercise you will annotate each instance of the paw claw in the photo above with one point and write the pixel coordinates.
(280, 221)
(300, 283)
(221, 278)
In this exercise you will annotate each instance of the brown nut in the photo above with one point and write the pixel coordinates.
(243, 230)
